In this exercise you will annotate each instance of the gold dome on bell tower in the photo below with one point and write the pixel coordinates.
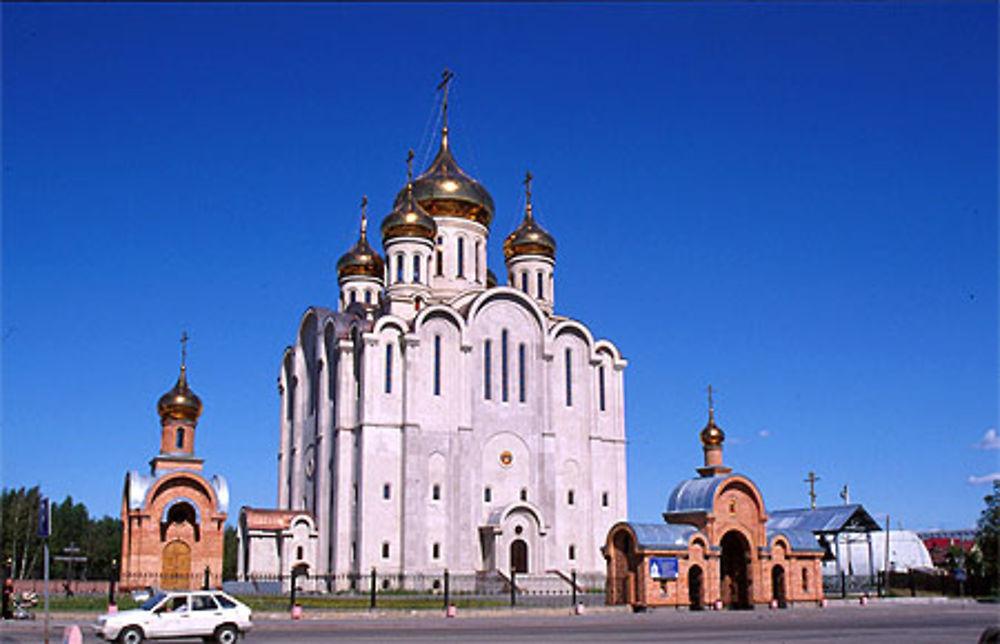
(180, 403)
(408, 218)
(362, 258)
(529, 238)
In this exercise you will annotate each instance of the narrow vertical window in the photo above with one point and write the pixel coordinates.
(604, 499)
(521, 391)
(572, 553)
(385, 549)
(399, 268)
(524, 282)
(388, 368)
(478, 279)
(487, 369)
(368, 297)
(436, 551)
(569, 378)
(180, 438)
(570, 498)
(386, 491)
(298, 553)
(461, 257)
(541, 293)
(600, 385)
(805, 580)
(524, 494)
(439, 261)
(503, 365)
(487, 494)
(354, 297)
(416, 269)
(429, 270)
(436, 492)
(437, 365)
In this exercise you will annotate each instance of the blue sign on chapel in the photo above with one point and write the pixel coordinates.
(663, 568)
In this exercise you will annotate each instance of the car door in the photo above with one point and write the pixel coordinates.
(205, 614)
(170, 618)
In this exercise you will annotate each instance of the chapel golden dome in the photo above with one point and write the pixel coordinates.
(362, 258)
(180, 402)
(712, 434)
(445, 190)
(529, 238)
(408, 218)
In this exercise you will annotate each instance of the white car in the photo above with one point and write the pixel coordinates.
(208, 614)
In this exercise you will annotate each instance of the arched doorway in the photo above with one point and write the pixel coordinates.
(175, 570)
(778, 585)
(735, 570)
(624, 566)
(519, 556)
(695, 587)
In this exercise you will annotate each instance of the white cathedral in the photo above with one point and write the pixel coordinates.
(437, 420)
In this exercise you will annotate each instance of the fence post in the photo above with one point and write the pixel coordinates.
(843, 584)
(291, 603)
(513, 587)
(207, 576)
(574, 587)
(913, 584)
(447, 588)
(371, 605)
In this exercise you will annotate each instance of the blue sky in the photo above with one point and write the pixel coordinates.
(796, 203)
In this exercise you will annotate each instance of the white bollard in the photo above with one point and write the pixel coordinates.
(773, 604)
(578, 609)
(451, 611)
(718, 604)
(72, 635)
(296, 612)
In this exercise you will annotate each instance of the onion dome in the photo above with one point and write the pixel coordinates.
(445, 190)
(180, 402)
(529, 238)
(712, 434)
(491, 278)
(408, 218)
(362, 258)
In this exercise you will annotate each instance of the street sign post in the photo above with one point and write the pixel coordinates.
(44, 531)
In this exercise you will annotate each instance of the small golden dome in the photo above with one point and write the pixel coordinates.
(445, 190)
(529, 238)
(712, 434)
(180, 402)
(408, 218)
(362, 258)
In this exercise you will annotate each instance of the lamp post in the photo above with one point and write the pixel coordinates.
(111, 585)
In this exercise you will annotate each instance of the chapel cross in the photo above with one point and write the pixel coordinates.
(445, 83)
(811, 480)
(409, 166)
(710, 398)
(184, 341)
(528, 177)
(364, 214)
(846, 495)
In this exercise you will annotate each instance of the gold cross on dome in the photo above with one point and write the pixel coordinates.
(184, 341)
(409, 165)
(811, 480)
(364, 214)
(710, 406)
(445, 84)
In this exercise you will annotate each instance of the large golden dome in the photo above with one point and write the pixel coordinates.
(445, 190)
(529, 238)
(180, 402)
(408, 218)
(362, 258)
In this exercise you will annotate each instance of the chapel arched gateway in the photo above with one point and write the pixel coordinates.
(714, 546)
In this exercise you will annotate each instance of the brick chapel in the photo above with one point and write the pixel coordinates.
(174, 518)
(715, 547)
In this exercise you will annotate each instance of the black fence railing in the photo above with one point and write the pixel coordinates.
(912, 583)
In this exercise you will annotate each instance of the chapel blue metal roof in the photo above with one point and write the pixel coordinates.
(697, 495)
(829, 519)
(799, 540)
(662, 536)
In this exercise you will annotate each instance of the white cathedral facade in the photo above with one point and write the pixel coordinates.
(437, 420)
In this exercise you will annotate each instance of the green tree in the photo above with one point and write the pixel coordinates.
(229, 553)
(19, 530)
(988, 534)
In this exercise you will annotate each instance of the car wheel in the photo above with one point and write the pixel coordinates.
(131, 635)
(226, 634)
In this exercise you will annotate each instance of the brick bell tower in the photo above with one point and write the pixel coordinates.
(174, 518)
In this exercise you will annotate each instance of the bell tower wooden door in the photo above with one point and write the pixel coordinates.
(175, 571)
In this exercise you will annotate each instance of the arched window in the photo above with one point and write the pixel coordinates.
(487, 369)
(298, 553)
(386, 491)
(487, 494)
(572, 552)
(436, 492)
(416, 269)
(570, 497)
(805, 580)
(503, 365)
(437, 365)
(388, 368)
(461, 257)
(368, 296)
(354, 297)
(604, 499)
(541, 293)
(399, 267)
(600, 385)
(436, 551)
(524, 282)
(180, 438)
(569, 377)
(524, 494)
(521, 391)
(385, 549)
(439, 260)
(478, 245)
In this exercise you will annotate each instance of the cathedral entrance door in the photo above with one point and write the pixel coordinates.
(519, 556)
(175, 571)
(734, 571)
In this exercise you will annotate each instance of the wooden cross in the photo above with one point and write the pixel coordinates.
(184, 341)
(445, 83)
(811, 480)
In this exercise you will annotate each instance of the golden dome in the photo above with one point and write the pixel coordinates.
(362, 258)
(529, 238)
(180, 402)
(408, 218)
(445, 190)
(712, 434)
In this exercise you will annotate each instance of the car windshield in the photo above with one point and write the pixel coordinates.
(151, 603)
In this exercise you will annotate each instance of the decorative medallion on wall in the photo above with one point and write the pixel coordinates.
(506, 458)
(732, 506)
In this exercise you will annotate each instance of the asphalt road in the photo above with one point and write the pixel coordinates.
(951, 622)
